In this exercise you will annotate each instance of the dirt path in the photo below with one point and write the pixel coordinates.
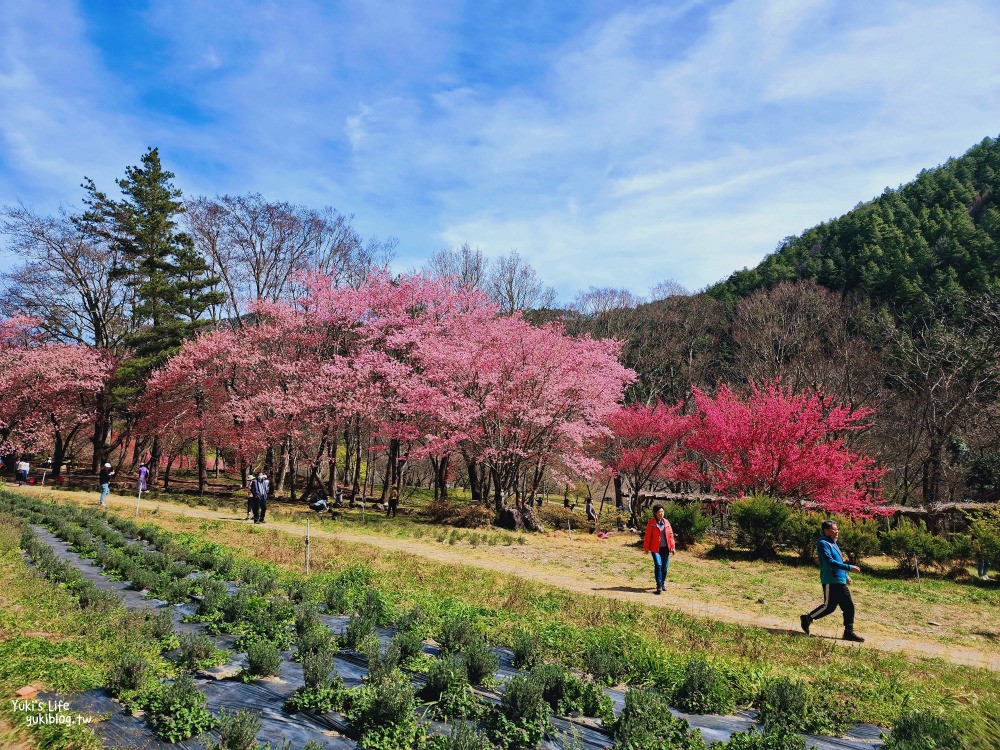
(676, 597)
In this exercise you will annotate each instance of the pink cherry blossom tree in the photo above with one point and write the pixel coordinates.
(647, 442)
(48, 392)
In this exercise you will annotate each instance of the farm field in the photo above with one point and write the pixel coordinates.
(569, 586)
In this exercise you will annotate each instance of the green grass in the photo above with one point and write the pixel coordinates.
(656, 642)
(48, 641)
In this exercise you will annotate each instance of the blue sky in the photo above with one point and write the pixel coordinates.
(610, 143)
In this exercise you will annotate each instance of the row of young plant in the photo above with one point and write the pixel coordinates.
(383, 711)
(764, 526)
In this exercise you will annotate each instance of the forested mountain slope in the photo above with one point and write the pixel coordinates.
(932, 237)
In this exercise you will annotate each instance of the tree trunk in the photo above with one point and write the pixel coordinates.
(166, 473)
(202, 465)
(474, 485)
(154, 461)
(102, 427)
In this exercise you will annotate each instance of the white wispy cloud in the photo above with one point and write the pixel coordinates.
(652, 140)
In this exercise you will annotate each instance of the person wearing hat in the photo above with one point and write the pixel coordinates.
(105, 480)
(259, 490)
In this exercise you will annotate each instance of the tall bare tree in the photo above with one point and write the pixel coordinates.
(258, 247)
(64, 280)
(514, 285)
(605, 312)
(466, 265)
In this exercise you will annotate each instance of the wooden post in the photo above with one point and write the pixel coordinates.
(307, 546)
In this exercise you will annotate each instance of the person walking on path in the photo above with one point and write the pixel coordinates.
(143, 482)
(260, 488)
(659, 542)
(105, 481)
(835, 581)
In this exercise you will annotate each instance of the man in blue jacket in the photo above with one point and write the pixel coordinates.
(833, 575)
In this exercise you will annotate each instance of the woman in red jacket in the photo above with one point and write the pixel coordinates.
(659, 542)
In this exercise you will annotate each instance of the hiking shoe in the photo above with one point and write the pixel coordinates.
(805, 621)
(850, 635)
(658, 591)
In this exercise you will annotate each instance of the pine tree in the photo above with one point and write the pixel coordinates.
(171, 283)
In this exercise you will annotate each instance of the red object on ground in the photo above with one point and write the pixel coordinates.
(61, 480)
(31, 480)
(28, 691)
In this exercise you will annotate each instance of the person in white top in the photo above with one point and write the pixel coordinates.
(23, 467)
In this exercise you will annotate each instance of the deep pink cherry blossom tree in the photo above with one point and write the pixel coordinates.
(788, 445)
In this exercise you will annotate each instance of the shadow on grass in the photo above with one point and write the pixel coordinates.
(629, 589)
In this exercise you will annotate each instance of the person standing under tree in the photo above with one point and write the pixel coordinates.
(259, 490)
(105, 481)
(659, 542)
(833, 576)
(393, 502)
(141, 485)
(22, 471)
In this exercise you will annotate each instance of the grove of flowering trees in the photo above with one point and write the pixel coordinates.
(48, 392)
(274, 336)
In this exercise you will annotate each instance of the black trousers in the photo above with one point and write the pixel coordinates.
(259, 508)
(835, 595)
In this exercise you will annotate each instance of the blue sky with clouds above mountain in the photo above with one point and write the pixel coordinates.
(611, 143)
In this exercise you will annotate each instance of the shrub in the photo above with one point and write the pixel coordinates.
(606, 663)
(858, 538)
(238, 730)
(359, 627)
(961, 550)
(464, 736)
(986, 537)
(689, 523)
(377, 607)
(703, 690)
(527, 653)
(260, 579)
(779, 739)
(177, 711)
(128, 674)
(265, 620)
(800, 532)
(213, 594)
(457, 631)
(409, 644)
(444, 673)
(647, 724)
(759, 520)
(162, 624)
(463, 515)
(522, 718)
(383, 714)
(480, 662)
(320, 638)
(317, 666)
(790, 704)
(198, 652)
(783, 703)
(263, 659)
(912, 544)
(346, 591)
(917, 730)
(567, 694)
(306, 619)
